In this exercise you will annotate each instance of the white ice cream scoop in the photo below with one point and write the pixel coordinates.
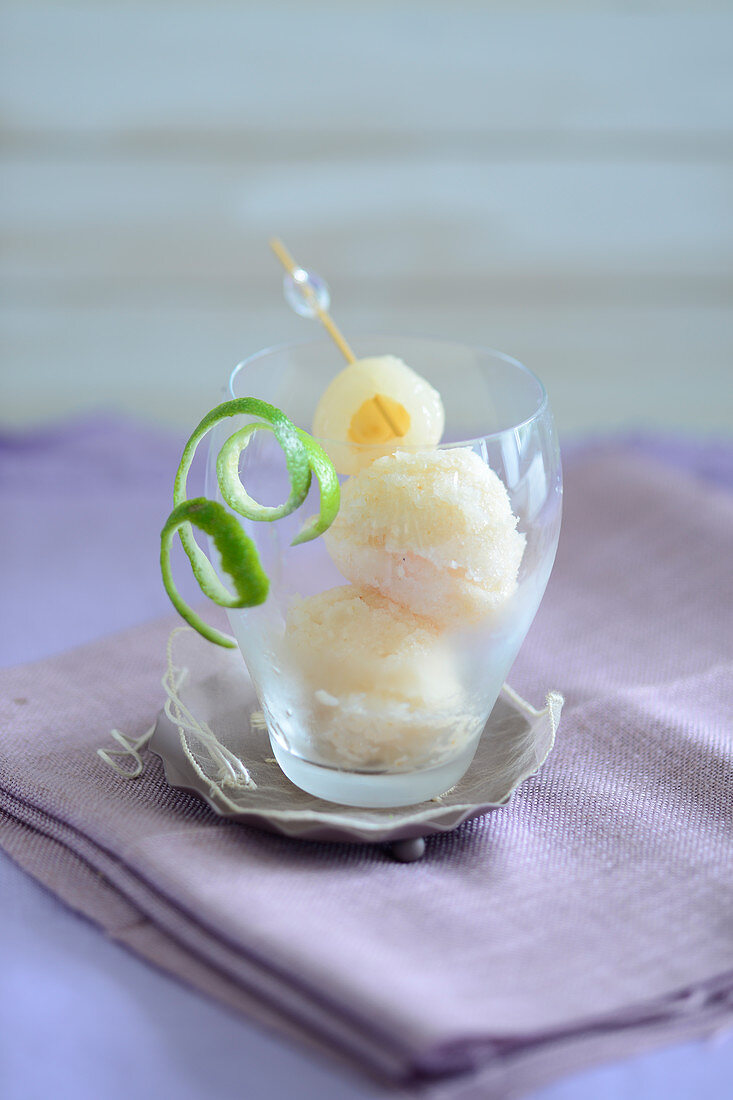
(433, 531)
(381, 682)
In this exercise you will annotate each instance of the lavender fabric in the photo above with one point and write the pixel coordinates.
(83, 503)
(589, 919)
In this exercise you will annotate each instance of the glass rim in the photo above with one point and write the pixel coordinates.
(291, 345)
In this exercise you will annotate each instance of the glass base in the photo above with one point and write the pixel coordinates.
(373, 791)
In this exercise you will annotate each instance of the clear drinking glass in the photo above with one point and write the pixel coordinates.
(391, 713)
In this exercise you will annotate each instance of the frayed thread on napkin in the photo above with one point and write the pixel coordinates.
(213, 762)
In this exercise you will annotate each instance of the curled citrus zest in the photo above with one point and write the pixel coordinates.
(235, 494)
(328, 483)
(296, 461)
(239, 559)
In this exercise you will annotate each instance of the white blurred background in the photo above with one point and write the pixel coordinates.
(554, 180)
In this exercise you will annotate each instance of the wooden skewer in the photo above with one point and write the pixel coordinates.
(328, 323)
(333, 331)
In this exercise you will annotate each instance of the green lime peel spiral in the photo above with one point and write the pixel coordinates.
(239, 558)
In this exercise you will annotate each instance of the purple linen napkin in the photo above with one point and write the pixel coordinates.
(82, 507)
(586, 920)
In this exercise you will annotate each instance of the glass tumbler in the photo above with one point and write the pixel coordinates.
(376, 686)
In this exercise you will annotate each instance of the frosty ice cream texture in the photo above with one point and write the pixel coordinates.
(429, 541)
(433, 531)
(382, 683)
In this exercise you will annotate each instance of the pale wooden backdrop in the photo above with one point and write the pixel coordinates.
(554, 180)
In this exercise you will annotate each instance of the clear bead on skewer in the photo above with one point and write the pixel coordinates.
(306, 292)
(309, 296)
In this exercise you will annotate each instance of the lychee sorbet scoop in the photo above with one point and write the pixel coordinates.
(433, 531)
(382, 684)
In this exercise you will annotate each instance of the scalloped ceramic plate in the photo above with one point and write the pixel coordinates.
(515, 743)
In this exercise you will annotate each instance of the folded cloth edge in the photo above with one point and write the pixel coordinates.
(271, 1001)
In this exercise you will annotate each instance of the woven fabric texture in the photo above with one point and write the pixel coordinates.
(589, 918)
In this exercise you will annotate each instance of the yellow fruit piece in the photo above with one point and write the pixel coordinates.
(373, 406)
(378, 420)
